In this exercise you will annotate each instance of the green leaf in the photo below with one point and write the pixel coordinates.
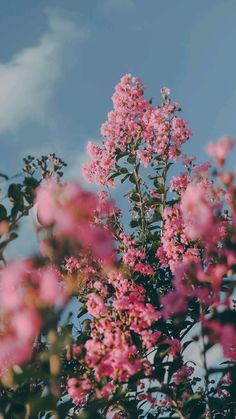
(172, 202)
(157, 216)
(131, 159)
(64, 408)
(134, 197)
(14, 191)
(29, 194)
(152, 201)
(168, 166)
(82, 311)
(3, 213)
(15, 195)
(31, 181)
(120, 155)
(13, 236)
(134, 223)
(124, 170)
(160, 372)
(114, 175)
(159, 184)
(14, 211)
(19, 203)
(132, 179)
(124, 178)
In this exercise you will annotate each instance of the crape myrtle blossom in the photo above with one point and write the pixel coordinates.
(197, 210)
(24, 292)
(111, 351)
(180, 183)
(134, 119)
(224, 334)
(208, 282)
(76, 393)
(145, 293)
(194, 217)
(194, 225)
(220, 149)
(133, 257)
(194, 232)
(187, 160)
(183, 374)
(200, 206)
(176, 244)
(80, 272)
(72, 211)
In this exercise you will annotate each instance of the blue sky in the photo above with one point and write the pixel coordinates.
(60, 60)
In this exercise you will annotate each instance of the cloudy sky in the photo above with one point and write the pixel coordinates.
(60, 60)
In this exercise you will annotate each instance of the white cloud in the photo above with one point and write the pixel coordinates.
(28, 80)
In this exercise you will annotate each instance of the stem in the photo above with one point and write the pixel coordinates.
(117, 221)
(206, 378)
(178, 411)
(204, 344)
(204, 360)
(164, 174)
(141, 201)
(187, 330)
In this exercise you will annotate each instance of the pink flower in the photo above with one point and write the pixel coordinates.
(220, 149)
(12, 279)
(71, 211)
(50, 289)
(197, 211)
(187, 160)
(95, 305)
(144, 157)
(27, 324)
(175, 346)
(173, 303)
(77, 390)
(144, 269)
(165, 91)
(98, 239)
(180, 183)
(183, 374)
(150, 339)
(107, 390)
(202, 169)
(46, 203)
(225, 334)
(228, 340)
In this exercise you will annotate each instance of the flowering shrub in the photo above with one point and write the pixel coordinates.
(154, 293)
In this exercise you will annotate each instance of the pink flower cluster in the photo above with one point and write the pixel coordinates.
(194, 218)
(200, 219)
(24, 291)
(151, 130)
(220, 149)
(175, 242)
(183, 374)
(134, 257)
(111, 351)
(225, 334)
(198, 209)
(84, 268)
(72, 211)
(76, 392)
(180, 183)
